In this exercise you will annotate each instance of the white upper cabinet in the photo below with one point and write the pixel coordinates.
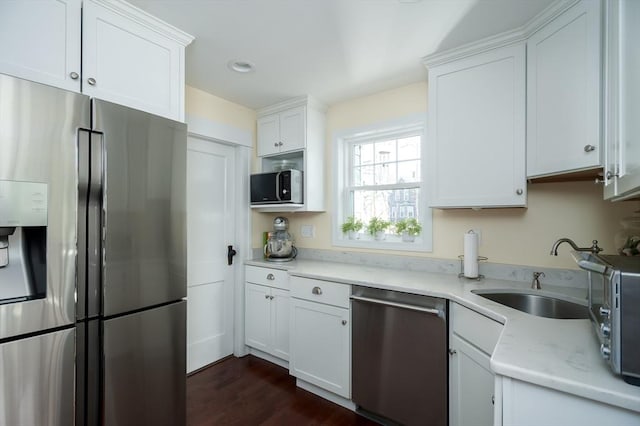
(128, 56)
(282, 132)
(622, 97)
(476, 129)
(564, 93)
(132, 59)
(40, 41)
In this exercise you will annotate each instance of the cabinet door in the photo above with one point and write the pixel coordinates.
(257, 316)
(623, 99)
(292, 129)
(563, 93)
(320, 351)
(125, 62)
(471, 385)
(280, 317)
(41, 41)
(476, 144)
(268, 135)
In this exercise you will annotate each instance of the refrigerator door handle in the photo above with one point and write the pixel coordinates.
(95, 225)
(83, 200)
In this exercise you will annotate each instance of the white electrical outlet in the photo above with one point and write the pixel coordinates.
(479, 233)
(307, 231)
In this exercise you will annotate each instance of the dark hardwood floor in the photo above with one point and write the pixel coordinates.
(251, 391)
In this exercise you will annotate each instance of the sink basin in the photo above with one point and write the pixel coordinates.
(539, 305)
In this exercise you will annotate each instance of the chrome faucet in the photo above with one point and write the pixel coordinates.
(593, 249)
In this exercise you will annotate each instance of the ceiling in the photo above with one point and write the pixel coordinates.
(331, 49)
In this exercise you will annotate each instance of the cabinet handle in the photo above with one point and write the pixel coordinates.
(589, 148)
(91, 81)
(344, 322)
(316, 290)
(271, 277)
(275, 144)
(280, 144)
(266, 296)
(452, 352)
(493, 400)
(271, 297)
(519, 191)
(74, 75)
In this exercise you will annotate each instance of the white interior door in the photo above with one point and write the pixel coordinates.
(210, 229)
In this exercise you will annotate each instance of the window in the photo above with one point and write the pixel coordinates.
(380, 175)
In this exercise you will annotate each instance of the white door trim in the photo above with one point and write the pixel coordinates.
(243, 141)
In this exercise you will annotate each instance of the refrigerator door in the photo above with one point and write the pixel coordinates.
(37, 380)
(39, 129)
(145, 367)
(144, 208)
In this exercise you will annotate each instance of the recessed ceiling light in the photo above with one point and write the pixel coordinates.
(241, 66)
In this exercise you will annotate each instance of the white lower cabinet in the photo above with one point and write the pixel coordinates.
(471, 381)
(526, 404)
(267, 311)
(320, 335)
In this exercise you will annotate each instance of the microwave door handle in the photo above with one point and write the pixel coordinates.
(278, 186)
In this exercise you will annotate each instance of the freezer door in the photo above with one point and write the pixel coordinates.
(145, 367)
(39, 133)
(144, 204)
(37, 380)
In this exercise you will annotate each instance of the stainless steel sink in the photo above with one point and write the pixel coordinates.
(536, 304)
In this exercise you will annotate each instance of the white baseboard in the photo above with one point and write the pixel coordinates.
(329, 396)
(268, 357)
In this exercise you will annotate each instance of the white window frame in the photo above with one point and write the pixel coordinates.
(341, 142)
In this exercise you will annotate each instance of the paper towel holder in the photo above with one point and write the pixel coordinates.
(461, 274)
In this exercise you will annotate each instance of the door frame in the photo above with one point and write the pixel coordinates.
(242, 141)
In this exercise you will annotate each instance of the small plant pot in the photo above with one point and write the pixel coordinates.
(379, 236)
(352, 235)
(406, 238)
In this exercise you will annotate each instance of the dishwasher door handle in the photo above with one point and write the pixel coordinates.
(430, 311)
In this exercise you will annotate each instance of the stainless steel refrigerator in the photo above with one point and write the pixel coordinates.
(92, 261)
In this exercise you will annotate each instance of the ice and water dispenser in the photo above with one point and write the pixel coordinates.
(23, 240)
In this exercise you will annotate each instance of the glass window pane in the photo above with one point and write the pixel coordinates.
(385, 173)
(409, 171)
(385, 151)
(365, 153)
(387, 205)
(409, 148)
(356, 155)
(365, 176)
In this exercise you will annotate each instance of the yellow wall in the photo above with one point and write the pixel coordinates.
(514, 236)
(222, 111)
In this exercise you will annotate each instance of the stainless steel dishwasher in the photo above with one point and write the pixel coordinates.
(399, 357)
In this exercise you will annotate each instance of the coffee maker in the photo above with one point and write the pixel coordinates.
(279, 246)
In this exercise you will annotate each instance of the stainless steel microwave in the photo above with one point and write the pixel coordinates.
(283, 187)
(614, 304)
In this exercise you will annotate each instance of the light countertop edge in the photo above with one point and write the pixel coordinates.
(559, 354)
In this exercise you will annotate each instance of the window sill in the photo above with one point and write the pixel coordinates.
(391, 242)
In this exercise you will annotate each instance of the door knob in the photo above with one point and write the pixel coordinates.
(230, 253)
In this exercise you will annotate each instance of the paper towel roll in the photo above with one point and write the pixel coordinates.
(471, 255)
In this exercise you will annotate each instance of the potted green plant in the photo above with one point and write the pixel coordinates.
(376, 228)
(351, 227)
(408, 228)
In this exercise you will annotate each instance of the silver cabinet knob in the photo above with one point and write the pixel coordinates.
(74, 75)
(519, 191)
(344, 322)
(91, 81)
(271, 277)
(275, 144)
(280, 143)
(316, 290)
(271, 297)
(266, 296)
(589, 148)
(452, 352)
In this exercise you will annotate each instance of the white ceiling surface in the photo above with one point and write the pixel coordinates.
(331, 49)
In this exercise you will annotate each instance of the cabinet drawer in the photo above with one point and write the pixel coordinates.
(326, 292)
(266, 276)
(475, 328)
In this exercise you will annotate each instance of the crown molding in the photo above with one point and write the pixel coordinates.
(305, 100)
(507, 38)
(141, 17)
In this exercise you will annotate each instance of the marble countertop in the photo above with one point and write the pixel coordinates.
(559, 354)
